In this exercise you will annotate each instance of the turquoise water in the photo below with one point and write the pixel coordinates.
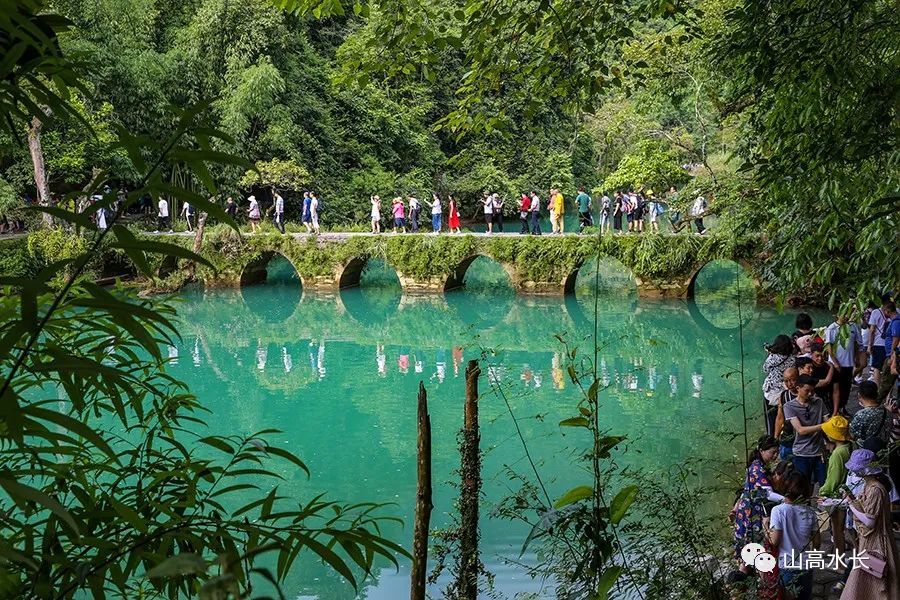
(338, 375)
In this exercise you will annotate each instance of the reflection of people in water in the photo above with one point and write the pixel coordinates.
(418, 367)
(195, 353)
(559, 380)
(321, 359)
(440, 365)
(673, 379)
(604, 373)
(527, 376)
(652, 378)
(286, 359)
(173, 355)
(262, 354)
(381, 359)
(697, 378)
(457, 359)
(538, 379)
(403, 361)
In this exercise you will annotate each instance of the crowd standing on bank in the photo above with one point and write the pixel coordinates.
(824, 464)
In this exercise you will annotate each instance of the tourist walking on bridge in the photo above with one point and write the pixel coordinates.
(697, 211)
(524, 213)
(488, 202)
(314, 211)
(453, 215)
(559, 207)
(306, 218)
(398, 211)
(498, 211)
(254, 214)
(618, 210)
(162, 216)
(414, 209)
(583, 202)
(278, 207)
(187, 211)
(535, 213)
(605, 205)
(376, 213)
(435, 214)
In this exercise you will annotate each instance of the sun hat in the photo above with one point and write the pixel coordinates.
(837, 428)
(860, 462)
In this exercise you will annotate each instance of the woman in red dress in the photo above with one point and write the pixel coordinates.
(454, 216)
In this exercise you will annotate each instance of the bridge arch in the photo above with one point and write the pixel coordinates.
(257, 269)
(352, 273)
(457, 277)
(613, 274)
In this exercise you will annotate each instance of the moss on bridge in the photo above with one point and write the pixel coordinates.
(653, 259)
(658, 262)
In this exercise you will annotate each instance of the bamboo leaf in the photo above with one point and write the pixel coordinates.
(576, 494)
(621, 503)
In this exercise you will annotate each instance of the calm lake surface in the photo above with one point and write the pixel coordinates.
(338, 375)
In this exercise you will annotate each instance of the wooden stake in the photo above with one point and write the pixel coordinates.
(471, 490)
(423, 498)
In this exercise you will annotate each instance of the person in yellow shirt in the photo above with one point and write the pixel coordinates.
(559, 211)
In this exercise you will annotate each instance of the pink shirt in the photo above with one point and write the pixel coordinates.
(398, 210)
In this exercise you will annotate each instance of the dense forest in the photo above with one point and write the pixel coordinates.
(765, 110)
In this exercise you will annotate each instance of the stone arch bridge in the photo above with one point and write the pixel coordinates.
(664, 266)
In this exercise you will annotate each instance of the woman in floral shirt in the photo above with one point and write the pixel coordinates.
(780, 358)
(748, 511)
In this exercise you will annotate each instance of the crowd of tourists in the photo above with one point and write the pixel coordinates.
(624, 212)
(826, 462)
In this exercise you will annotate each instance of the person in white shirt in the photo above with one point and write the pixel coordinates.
(414, 209)
(488, 202)
(535, 213)
(162, 216)
(279, 212)
(842, 353)
(435, 214)
(187, 213)
(697, 211)
(376, 213)
(314, 212)
(877, 354)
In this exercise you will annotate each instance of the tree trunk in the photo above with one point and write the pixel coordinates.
(469, 563)
(40, 171)
(423, 499)
(198, 240)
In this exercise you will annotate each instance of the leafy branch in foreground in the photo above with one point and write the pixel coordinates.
(110, 482)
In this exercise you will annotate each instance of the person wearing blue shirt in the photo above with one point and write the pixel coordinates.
(891, 345)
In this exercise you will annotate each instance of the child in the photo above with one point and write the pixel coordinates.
(793, 530)
(837, 434)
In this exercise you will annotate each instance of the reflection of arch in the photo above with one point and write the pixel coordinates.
(584, 319)
(257, 270)
(745, 266)
(457, 277)
(571, 280)
(694, 309)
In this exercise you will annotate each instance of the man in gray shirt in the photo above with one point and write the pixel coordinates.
(806, 413)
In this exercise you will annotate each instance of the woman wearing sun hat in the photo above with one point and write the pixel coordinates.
(872, 518)
(837, 433)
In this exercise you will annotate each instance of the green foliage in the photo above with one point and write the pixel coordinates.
(650, 166)
(111, 482)
(276, 173)
(817, 111)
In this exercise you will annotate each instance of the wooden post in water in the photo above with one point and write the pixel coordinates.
(471, 490)
(423, 498)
